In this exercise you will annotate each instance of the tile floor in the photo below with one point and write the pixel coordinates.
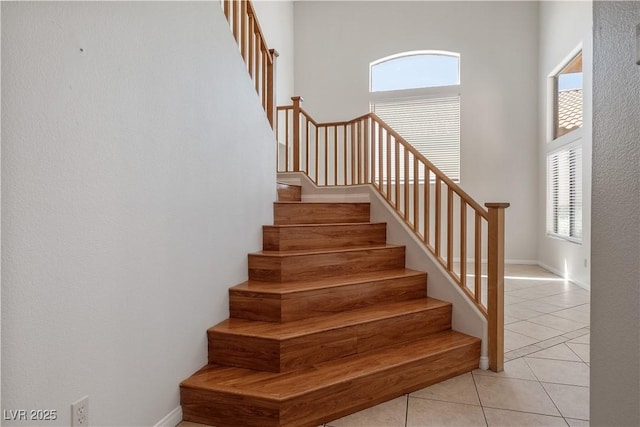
(546, 373)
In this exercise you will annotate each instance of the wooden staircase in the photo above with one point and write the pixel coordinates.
(329, 323)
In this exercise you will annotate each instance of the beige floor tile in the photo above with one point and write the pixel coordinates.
(582, 350)
(533, 330)
(512, 285)
(517, 368)
(585, 339)
(572, 401)
(514, 340)
(538, 306)
(560, 371)
(559, 323)
(585, 308)
(557, 352)
(387, 414)
(510, 299)
(516, 395)
(534, 292)
(426, 413)
(577, 423)
(460, 389)
(190, 424)
(568, 299)
(520, 312)
(504, 418)
(577, 314)
(509, 319)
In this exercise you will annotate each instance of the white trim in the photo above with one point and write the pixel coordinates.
(172, 419)
(551, 93)
(561, 274)
(521, 261)
(484, 363)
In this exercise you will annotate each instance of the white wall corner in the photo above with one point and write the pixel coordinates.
(172, 419)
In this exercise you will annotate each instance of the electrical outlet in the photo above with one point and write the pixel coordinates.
(80, 412)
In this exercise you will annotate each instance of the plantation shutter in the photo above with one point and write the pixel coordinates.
(431, 125)
(564, 175)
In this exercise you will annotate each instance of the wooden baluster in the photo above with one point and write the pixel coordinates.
(427, 204)
(296, 132)
(317, 154)
(326, 155)
(335, 155)
(258, 62)
(396, 174)
(463, 243)
(416, 195)
(380, 158)
(234, 19)
(495, 285)
(367, 150)
(389, 166)
(271, 86)
(263, 95)
(227, 4)
(438, 218)
(243, 30)
(286, 141)
(478, 259)
(252, 41)
(344, 154)
(308, 136)
(449, 228)
(355, 144)
(406, 184)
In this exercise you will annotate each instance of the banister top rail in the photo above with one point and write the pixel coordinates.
(270, 53)
(433, 168)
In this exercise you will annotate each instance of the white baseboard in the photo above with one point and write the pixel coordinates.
(484, 363)
(521, 261)
(561, 274)
(172, 419)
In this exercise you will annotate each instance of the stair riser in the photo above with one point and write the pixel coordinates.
(323, 265)
(319, 213)
(303, 305)
(321, 237)
(328, 403)
(295, 353)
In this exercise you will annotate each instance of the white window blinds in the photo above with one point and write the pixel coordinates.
(431, 125)
(564, 206)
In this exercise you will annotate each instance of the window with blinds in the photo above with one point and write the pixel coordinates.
(564, 193)
(418, 95)
(431, 125)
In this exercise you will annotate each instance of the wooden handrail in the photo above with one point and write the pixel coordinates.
(260, 60)
(366, 150)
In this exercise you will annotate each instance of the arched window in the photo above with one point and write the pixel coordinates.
(418, 95)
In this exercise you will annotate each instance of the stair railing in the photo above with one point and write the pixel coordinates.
(465, 238)
(260, 60)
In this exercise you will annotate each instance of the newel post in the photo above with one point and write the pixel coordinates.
(271, 88)
(495, 282)
(296, 132)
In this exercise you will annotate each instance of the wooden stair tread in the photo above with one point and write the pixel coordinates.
(283, 254)
(331, 224)
(284, 288)
(303, 327)
(284, 386)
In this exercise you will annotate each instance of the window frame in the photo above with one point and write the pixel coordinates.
(428, 92)
(554, 145)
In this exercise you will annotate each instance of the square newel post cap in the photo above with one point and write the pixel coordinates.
(497, 205)
(297, 98)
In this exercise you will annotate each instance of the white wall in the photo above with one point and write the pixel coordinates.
(564, 25)
(336, 41)
(276, 21)
(615, 271)
(137, 169)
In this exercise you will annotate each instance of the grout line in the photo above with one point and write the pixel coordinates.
(479, 400)
(406, 412)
